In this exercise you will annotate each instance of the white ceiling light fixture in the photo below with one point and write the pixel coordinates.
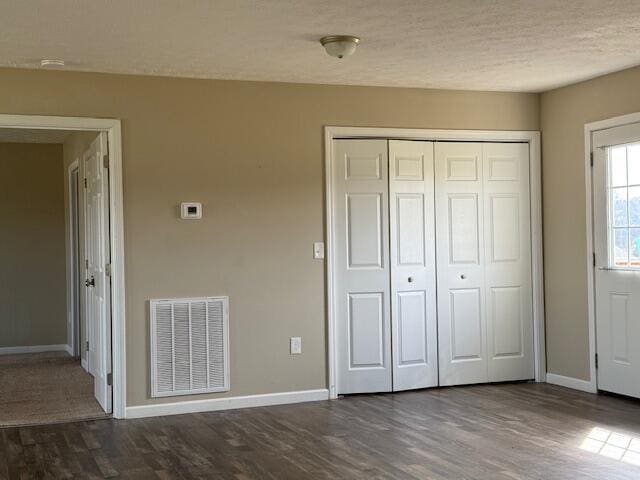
(340, 45)
(48, 63)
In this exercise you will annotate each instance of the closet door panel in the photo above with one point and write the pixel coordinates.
(484, 262)
(463, 225)
(460, 245)
(412, 256)
(466, 324)
(361, 289)
(508, 261)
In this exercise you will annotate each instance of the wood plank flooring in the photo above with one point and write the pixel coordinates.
(497, 432)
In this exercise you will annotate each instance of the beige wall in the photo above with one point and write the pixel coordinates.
(252, 153)
(32, 270)
(564, 114)
(74, 146)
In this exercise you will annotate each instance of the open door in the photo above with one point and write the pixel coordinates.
(98, 261)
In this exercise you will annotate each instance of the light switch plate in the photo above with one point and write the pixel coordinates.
(295, 345)
(318, 250)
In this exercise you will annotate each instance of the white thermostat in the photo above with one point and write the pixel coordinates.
(190, 210)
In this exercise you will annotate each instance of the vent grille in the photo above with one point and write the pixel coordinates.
(189, 346)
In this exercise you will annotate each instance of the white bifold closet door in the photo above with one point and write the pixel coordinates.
(362, 306)
(485, 322)
(384, 265)
(414, 331)
(398, 207)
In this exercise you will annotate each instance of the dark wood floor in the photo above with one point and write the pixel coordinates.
(518, 431)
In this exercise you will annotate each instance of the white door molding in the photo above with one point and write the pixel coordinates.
(589, 130)
(530, 137)
(114, 132)
(73, 342)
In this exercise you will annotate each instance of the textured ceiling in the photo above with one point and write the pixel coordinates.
(28, 135)
(512, 45)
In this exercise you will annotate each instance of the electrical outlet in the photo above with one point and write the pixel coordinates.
(318, 250)
(295, 345)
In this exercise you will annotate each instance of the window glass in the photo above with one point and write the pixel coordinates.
(618, 166)
(634, 164)
(634, 206)
(634, 247)
(621, 247)
(619, 199)
(624, 206)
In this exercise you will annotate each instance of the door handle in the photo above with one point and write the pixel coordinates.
(90, 283)
(463, 276)
(410, 279)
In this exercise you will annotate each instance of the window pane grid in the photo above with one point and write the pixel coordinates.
(624, 206)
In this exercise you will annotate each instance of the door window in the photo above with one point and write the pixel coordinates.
(624, 206)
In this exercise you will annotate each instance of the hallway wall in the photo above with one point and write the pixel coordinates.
(32, 258)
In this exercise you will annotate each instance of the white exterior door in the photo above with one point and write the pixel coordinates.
(485, 320)
(616, 201)
(412, 258)
(362, 290)
(98, 285)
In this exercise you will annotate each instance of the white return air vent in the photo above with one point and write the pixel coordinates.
(189, 346)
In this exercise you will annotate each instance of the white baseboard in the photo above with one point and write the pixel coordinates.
(85, 365)
(227, 403)
(571, 382)
(33, 349)
(69, 349)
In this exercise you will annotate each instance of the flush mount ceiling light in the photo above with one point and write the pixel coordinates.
(51, 63)
(340, 45)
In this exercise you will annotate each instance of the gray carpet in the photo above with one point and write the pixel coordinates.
(43, 388)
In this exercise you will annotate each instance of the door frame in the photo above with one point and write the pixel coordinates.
(73, 320)
(113, 129)
(332, 133)
(589, 129)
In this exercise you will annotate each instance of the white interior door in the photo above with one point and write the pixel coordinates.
(98, 285)
(616, 201)
(462, 322)
(507, 241)
(412, 258)
(361, 266)
(485, 320)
